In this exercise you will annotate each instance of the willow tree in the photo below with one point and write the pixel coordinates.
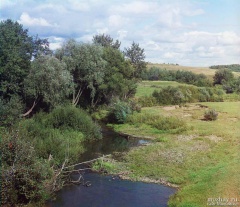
(85, 63)
(48, 81)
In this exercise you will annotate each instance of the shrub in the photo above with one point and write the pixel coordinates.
(60, 133)
(10, 111)
(169, 95)
(61, 144)
(147, 101)
(118, 112)
(210, 115)
(72, 118)
(23, 175)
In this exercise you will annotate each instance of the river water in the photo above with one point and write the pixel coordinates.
(108, 191)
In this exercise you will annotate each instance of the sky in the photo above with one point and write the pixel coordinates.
(184, 32)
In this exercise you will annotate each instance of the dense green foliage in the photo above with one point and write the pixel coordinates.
(118, 80)
(118, 112)
(233, 67)
(48, 81)
(60, 133)
(10, 110)
(24, 176)
(17, 49)
(188, 77)
(86, 65)
(223, 76)
(184, 94)
(106, 41)
(72, 118)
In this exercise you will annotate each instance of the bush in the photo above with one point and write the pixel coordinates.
(186, 94)
(23, 176)
(147, 101)
(118, 112)
(72, 118)
(210, 115)
(169, 96)
(61, 144)
(60, 133)
(10, 111)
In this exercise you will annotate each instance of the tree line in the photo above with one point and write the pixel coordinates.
(232, 67)
(35, 78)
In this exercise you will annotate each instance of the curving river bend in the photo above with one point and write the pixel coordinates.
(108, 191)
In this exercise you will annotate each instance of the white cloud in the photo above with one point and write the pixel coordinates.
(79, 5)
(26, 20)
(169, 31)
(7, 3)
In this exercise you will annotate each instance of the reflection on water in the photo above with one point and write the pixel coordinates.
(108, 192)
(111, 142)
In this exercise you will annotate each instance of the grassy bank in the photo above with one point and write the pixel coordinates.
(203, 159)
(146, 88)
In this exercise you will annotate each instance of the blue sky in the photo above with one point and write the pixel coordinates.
(187, 32)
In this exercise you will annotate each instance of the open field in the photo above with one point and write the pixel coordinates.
(198, 70)
(146, 88)
(204, 160)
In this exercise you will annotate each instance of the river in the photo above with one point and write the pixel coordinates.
(109, 191)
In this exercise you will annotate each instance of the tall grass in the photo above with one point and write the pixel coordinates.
(157, 121)
(60, 133)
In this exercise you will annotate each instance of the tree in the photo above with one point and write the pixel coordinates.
(117, 81)
(106, 41)
(17, 49)
(85, 63)
(48, 81)
(136, 56)
(223, 76)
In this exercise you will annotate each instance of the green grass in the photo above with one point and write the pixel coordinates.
(146, 88)
(204, 160)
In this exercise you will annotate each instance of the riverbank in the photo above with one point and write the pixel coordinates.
(203, 160)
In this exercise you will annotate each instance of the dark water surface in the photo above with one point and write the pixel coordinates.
(106, 191)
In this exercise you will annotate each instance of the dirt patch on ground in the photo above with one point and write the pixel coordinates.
(170, 108)
(186, 137)
(233, 119)
(214, 138)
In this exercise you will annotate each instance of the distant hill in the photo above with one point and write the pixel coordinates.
(209, 72)
(198, 70)
(232, 67)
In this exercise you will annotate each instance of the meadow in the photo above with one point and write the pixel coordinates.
(198, 70)
(200, 157)
(203, 160)
(146, 88)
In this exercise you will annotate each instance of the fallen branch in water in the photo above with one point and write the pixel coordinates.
(81, 163)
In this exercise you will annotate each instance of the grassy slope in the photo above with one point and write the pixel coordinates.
(204, 160)
(198, 70)
(146, 88)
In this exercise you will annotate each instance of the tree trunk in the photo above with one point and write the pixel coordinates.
(30, 110)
